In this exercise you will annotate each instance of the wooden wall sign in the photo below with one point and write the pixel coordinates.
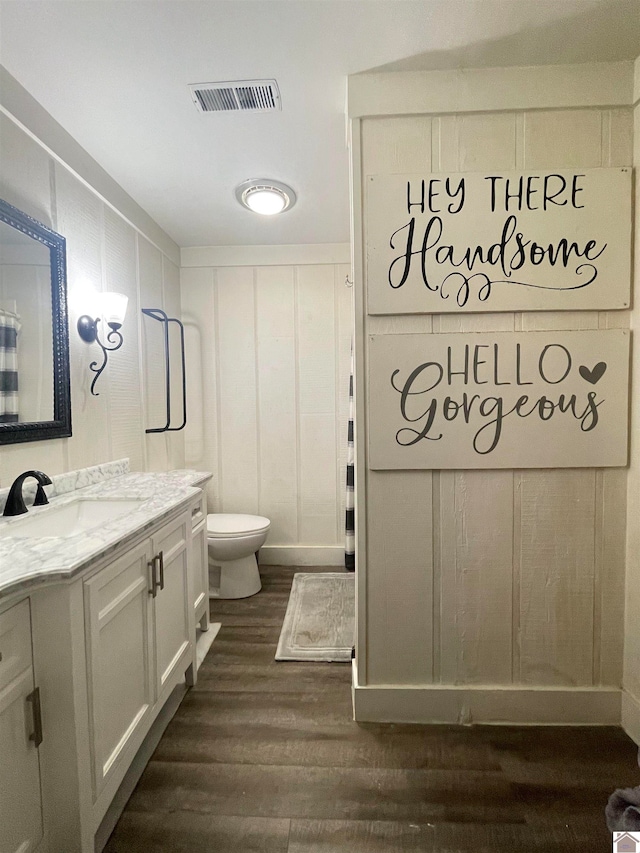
(499, 400)
(501, 241)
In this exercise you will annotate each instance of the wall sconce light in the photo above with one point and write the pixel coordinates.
(113, 307)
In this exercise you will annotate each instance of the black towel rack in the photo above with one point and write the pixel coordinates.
(161, 316)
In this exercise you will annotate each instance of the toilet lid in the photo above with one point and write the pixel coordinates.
(226, 524)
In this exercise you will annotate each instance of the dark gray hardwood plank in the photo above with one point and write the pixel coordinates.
(241, 652)
(268, 634)
(585, 836)
(273, 677)
(586, 746)
(186, 832)
(320, 745)
(568, 779)
(332, 836)
(288, 710)
(334, 793)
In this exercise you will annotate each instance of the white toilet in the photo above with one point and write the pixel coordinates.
(233, 543)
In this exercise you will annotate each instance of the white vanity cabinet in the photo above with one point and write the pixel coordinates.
(106, 648)
(21, 827)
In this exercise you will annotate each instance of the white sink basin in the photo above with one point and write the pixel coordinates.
(68, 520)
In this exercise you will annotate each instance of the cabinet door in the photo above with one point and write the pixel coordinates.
(199, 571)
(118, 620)
(171, 605)
(20, 798)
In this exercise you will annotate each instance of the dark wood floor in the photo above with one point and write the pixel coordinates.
(264, 756)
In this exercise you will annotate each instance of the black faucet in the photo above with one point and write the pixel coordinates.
(15, 502)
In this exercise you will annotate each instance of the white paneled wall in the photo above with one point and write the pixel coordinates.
(269, 348)
(125, 384)
(510, 578)
(104, 252)
(277, 389)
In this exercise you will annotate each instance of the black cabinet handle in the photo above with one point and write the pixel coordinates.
(154, 582)
(161, 559)
(34, 699)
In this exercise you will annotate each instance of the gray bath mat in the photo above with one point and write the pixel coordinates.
(320, 620)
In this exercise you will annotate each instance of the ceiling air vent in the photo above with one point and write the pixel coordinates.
(236, 95)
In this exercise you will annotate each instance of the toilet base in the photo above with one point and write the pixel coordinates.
(238, 578)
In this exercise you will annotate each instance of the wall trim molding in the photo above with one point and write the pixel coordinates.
(264, 256)
(302, 555)
(631, 716)
(495, 705)
(604, 84)
(32, 118)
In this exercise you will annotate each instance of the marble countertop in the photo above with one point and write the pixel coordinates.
(27, 563)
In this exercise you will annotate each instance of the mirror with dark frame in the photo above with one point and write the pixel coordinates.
(35, 399)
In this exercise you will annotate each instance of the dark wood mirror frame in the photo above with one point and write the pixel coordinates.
(60, 426)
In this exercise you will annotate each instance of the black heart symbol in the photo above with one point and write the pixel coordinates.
(594, 375)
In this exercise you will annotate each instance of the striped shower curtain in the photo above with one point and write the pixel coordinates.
(9, 328)
(350, 523)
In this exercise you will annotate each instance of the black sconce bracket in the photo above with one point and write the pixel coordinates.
(88, 331)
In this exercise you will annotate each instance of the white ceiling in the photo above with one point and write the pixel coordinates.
(115, 75)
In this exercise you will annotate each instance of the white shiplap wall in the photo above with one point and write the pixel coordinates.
(104, 252)
(268, 348)
(476, 578)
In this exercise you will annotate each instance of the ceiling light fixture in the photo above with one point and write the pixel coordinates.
(264, 196)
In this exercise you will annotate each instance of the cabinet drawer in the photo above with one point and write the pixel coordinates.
(199, 511)
(15, 642)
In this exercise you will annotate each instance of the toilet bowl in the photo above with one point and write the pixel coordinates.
(233, 542)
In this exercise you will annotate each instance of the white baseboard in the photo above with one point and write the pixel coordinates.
(489, 705)
(302, 555)
(631, 716)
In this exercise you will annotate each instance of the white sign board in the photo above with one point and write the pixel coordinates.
(503, 400)
(505, 241)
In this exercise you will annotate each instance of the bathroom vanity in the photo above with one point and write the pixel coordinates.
(97, 627)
